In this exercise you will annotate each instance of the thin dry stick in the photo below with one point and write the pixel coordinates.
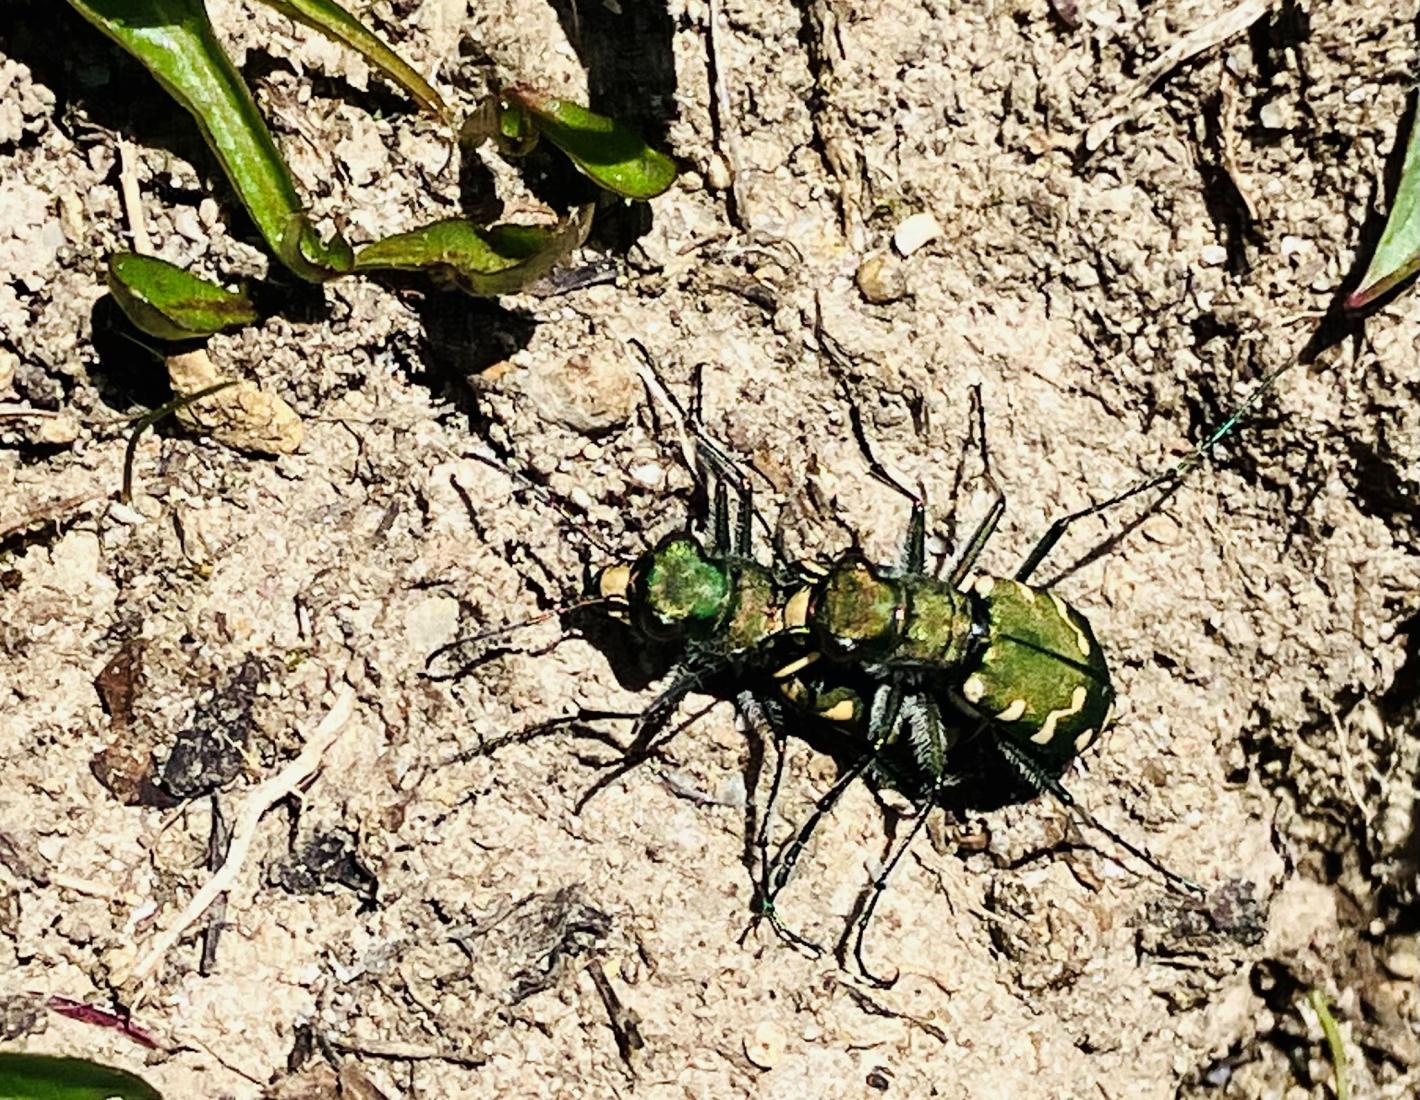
(258, 800)
(53, 512)
(22, 412)
(133, 199)
(404, 1052)
(1197, 41)
(725, 110)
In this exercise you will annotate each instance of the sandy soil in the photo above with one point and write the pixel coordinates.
(439, 926)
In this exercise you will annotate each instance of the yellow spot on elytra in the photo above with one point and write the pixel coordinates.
(973, 689)
(841, 711)
(794, 667)
(985, 585)
(1081, 638)
(1014, 711)
(1108, 717)
(615, 580)
(1085, 740)
(1047, 728)
(796, 610)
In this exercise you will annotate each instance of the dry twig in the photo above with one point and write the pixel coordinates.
(725, 117)
(55, 512)
(1197, 41)
(254, 806)
(133, 199)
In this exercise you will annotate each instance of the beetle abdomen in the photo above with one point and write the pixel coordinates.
(1038, 673)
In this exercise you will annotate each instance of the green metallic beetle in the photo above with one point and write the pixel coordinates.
(909, 664)
(708, 604)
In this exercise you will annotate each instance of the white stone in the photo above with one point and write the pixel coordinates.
(912, 233)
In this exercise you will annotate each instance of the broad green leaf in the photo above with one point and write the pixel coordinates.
(44, 1077)
(482, 260)
(165, 301)
(609, 152)
(337, 24)
(174, 41)
(1398, 253)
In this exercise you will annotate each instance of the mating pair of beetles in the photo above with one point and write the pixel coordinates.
(903, 666)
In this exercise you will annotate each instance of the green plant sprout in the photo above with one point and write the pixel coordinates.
(175, 41)
(1397, 256)
(47, 1077)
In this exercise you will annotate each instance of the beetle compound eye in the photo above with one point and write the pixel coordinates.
(612, 583)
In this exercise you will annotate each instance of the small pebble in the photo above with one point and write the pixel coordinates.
(188, 224)
(1404, 965)
(122, 513)
(649, 474)
(1083, 274)
(765, 1048)
(1276, 115)
(718, 176)
(588, 393)
(912, 233)
(1214, 255)
(57, 431)
(881, 278)
(431, 622)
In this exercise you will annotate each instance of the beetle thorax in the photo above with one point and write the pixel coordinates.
(855, 611)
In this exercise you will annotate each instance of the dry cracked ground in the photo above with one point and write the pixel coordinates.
(1140, 215)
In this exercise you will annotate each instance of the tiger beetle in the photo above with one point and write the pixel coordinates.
(711, 602)
(906, 664)
(914, 665)
(946, 658)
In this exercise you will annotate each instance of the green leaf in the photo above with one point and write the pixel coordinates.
(1398, 254)
(174, 41)
(482, 260)
(609, 152)
(165, 301)
(337, 24)
(43, 1077)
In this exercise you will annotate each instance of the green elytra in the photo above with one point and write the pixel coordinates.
(1012, 658)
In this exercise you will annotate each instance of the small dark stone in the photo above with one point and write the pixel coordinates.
(325, 858)
(209, 754)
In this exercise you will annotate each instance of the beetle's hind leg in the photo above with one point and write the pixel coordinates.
(1043, 781)
(929, 747)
